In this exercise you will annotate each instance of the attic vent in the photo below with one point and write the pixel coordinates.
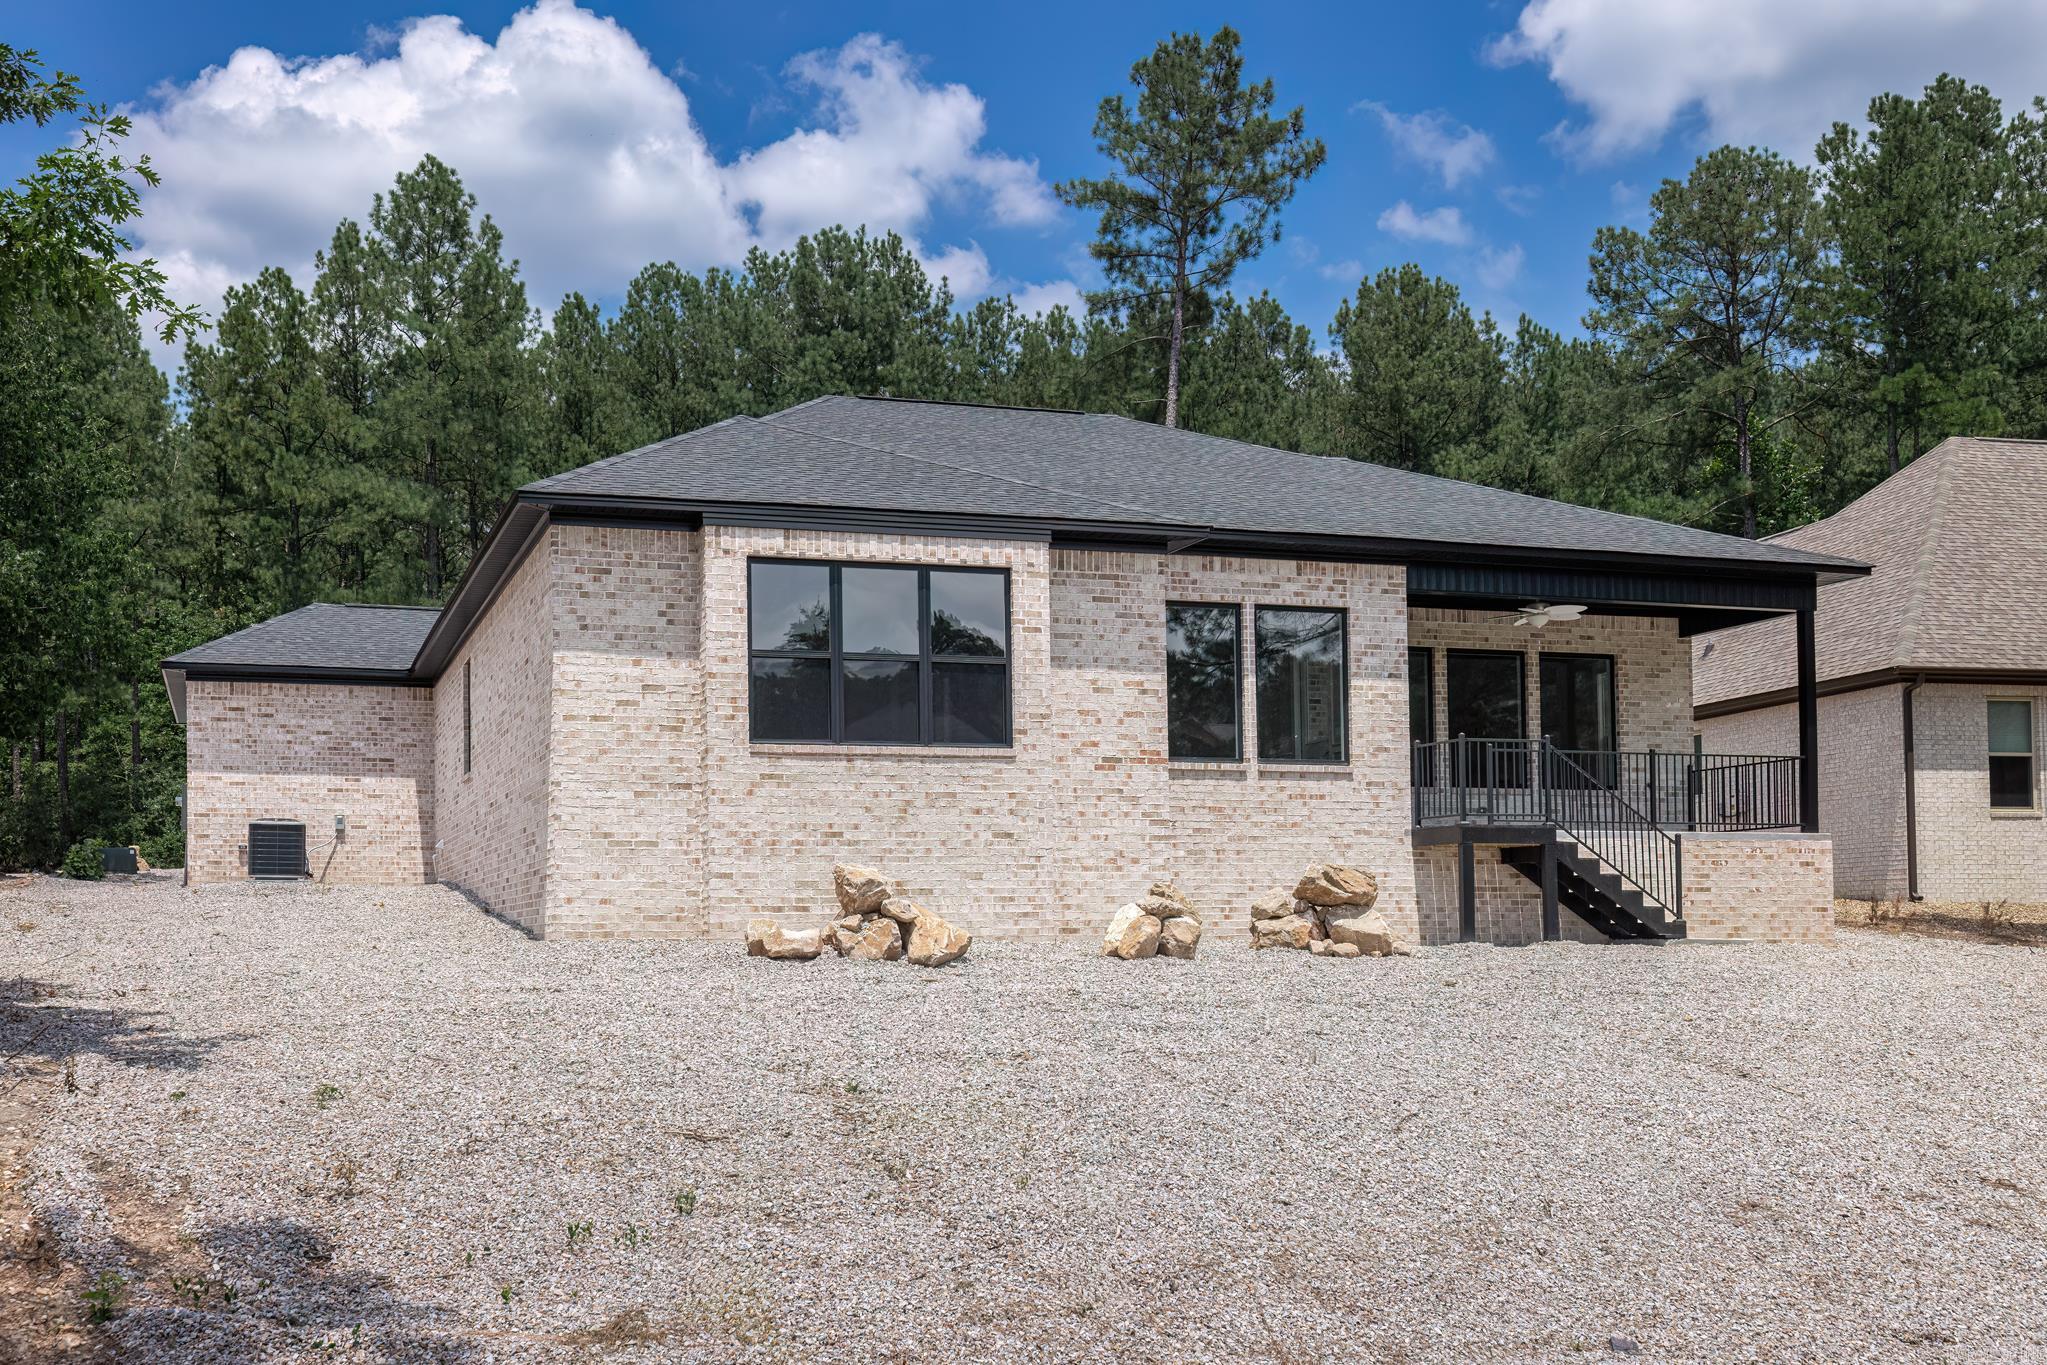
(277, 849)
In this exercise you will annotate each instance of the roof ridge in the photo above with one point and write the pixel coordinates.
(1923, 562)
(941, 403)
(963, 468)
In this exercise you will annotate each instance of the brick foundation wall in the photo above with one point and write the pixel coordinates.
(1764, 888)
(1509, 905)
(1862, 779)
(494, 826)
(309, 752)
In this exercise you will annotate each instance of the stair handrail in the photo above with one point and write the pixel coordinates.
(1662, 846)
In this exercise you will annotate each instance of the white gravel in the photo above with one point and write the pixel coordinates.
(1473, 1154)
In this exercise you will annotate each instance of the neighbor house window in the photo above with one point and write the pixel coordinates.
(1300, 685)
(878, 654)
(466, 732)
(1203, 645)
(2011, 755)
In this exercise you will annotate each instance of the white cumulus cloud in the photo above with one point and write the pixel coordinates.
(1454, 151)
(1445, 225)
(1772, 72)
(1499, 267)
(582, 149)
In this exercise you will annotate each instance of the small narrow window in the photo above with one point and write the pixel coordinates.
(467, 746)
(2011, 755)
(1300, 685)
(1203, 644)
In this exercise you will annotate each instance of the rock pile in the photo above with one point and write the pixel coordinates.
(1329, 913)
(1163, 924)
(877, 923)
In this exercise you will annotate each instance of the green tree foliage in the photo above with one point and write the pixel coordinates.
(1203, 168)
(1919, 290)
(1715, 300)
(60, 228)
(1424, 379)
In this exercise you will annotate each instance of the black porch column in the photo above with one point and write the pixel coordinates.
(1467, 889)
(1808, 725)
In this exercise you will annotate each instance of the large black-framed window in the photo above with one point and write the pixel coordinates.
(1300, 675)
(843, 653)
(2012, 782)
(1204, 687)
(1578, 713)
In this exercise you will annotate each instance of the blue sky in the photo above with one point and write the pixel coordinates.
(1485, 141)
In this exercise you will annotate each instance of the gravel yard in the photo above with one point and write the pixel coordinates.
(380, 1125)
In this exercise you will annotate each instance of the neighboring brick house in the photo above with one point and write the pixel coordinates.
(1027, 662)
(1932, 676)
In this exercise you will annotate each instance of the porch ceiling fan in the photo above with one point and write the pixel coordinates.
(1540, 614)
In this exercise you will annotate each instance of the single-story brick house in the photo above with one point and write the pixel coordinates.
(1027, 661)
(1932, 676)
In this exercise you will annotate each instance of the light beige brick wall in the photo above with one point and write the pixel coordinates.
(1862, 779)
(626, 767)
(309, 752)
(1509, 905)
(1652, 668)
(1223, 831)
(1765, 888)
(1968, 851)
(494, 827)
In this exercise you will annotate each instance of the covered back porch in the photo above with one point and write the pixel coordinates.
(1551, 731)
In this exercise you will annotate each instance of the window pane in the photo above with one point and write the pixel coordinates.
(2011, 782)
(969, 614)
(1300, 685)
(792, 699)
(1201, 682)
(1485, 696)
(969, 704)
(2011, 727)
(881, 701)
(1577, 703)
(1421, 701)
(792, 606)
(881, 611)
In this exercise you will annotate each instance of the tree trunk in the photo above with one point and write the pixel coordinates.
(1891, 433)
(1742, 451)
(1173, 354)
(134, 746)
(63, 786)
(14, 773)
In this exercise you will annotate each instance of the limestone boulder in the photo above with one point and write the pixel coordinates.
(934, 942)
(861, 889)
(901, 909)
(1328, 884)
(1368, 932)
(1179, 937)
(1323, 947)
(1159, 907)
(1274, 904)
(1288, 931)
(845, 932)
(879, 940)
(1132, 933)
(1166, 891)
(1312, 913)
(766, 938)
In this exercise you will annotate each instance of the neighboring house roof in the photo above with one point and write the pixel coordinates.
(1957, 541)
(898, 455)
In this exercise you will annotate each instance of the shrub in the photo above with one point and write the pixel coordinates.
(83, 863)
(164, 850)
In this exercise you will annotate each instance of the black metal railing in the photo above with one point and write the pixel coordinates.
(1464, 779)
(1620, 806)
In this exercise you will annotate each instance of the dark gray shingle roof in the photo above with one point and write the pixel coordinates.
(896, 455)
(331, 635)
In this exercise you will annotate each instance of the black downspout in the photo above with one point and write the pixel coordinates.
(1911, 793)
